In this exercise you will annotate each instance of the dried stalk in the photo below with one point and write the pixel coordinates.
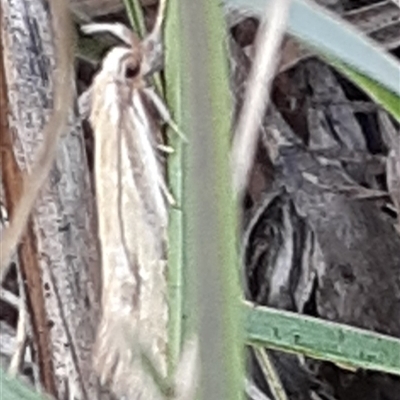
(270, 374)
(265, 63)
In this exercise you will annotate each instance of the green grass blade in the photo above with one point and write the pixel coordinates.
(13, 389)
(208, 202)
(387, 99)
(335, 37)
(90, 49)
(177, 298)
(320, 339)
(135, 15)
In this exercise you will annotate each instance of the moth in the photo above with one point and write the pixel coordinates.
(131, 197)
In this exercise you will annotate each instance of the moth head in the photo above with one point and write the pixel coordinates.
(145, 56)
(124, 64)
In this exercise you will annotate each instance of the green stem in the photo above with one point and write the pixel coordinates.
(210, 229)
(175, 176)
(136, 17)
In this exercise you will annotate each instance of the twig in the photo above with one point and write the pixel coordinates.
(268, 42)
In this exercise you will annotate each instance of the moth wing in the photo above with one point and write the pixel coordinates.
(132, 240)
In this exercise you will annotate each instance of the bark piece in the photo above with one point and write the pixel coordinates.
(59, 255)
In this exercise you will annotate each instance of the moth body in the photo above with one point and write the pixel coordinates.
(132, 221)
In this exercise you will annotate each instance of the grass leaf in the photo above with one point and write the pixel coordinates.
(382, 96)
(208, 202)
(135, 15)
(335, 37)
(320, 339)
(177, 296)
(13, 389)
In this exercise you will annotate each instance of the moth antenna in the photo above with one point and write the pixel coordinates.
(118, 30)
(187, 371)
(165, 149)
(160, 17)
(163, 111)
(168, 195)
(152, 44)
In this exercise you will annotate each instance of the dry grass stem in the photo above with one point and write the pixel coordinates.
(268, 42)
(270, 374)
(253, 392)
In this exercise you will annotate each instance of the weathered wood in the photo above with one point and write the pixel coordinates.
(59, 255)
